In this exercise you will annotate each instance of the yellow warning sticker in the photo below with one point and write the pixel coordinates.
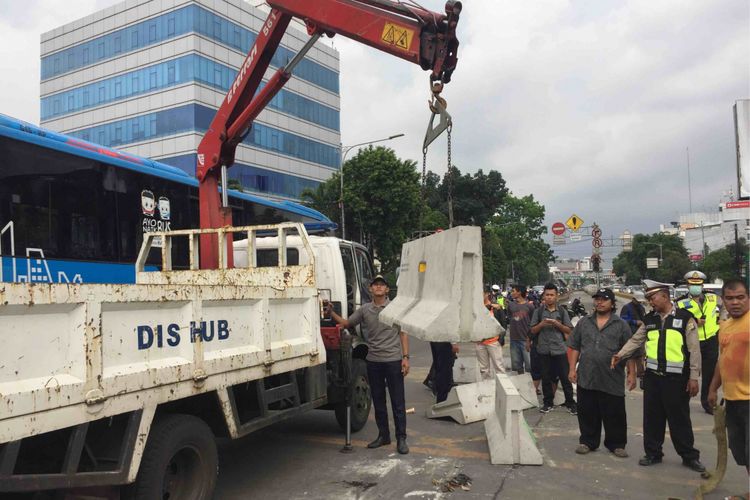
(397, 36)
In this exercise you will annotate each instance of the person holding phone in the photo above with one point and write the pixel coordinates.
(387, 362)
(551, 325)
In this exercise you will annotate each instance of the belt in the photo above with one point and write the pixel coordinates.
(663, 374)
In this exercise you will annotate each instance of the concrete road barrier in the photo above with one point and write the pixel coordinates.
(508, 436)
(466, 370)
(466, 403)
(440, 289)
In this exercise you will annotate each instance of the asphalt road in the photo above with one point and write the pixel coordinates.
(300, 458)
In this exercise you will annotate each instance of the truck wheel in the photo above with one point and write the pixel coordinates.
(180, 461)
(361, 400)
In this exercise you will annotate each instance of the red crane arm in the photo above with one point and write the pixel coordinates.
(423, 37)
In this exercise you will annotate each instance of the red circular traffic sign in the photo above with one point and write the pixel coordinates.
(558, 228)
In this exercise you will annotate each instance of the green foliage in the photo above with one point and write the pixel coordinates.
(721, 263)
(513, 245)
(381, 200)
(476, 197)
(234, 184)
(383, 204)
(674, 264)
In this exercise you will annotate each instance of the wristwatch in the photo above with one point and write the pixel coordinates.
(406, 356)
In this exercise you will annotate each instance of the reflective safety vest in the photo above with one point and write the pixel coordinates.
(501, 300)
(666, 346)
(709, 312)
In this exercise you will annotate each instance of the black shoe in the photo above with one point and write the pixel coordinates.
(572, 409)
(647, 460)
(401, 446)
(695, 465)
(545, 409)
(379, 441)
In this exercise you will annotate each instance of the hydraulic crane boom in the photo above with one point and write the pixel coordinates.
(405, 30)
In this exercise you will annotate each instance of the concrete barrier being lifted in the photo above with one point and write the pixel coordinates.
(440, 289)
(508, 436)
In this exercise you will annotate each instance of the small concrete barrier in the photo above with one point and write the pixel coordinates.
(508, 436)
(526, 390)
(466, 403)
(466, 370)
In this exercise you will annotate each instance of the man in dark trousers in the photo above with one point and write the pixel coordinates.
(387, 363)
(443, 358)
(551, 325)
(673, 360)
(601, 390)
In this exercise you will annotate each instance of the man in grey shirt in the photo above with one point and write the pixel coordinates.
(387, 363)
(551, 325)
(601, 390)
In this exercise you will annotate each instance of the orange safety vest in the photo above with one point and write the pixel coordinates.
(490, 340)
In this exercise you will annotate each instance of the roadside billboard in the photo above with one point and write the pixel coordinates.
(742, 137)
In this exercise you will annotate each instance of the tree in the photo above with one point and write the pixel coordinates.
(721, 263)
(672, 268)
(513, 247)
(476, 197)
(381, 198)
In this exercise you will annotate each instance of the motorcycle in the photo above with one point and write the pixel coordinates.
(575, 308)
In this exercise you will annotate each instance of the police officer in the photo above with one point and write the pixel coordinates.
(705, 308)
(673, 360)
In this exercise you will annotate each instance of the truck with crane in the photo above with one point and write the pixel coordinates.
(110, 385)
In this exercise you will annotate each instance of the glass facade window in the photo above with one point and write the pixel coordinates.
(197, 118)
(191, 68)
(189, 19)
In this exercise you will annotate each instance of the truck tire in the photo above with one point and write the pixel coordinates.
(361, 399)
(180, 461)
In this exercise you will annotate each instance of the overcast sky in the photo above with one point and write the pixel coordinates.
(589, 105)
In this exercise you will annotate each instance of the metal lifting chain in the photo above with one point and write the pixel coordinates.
(438, 107)
(449, 180)
(423, 187)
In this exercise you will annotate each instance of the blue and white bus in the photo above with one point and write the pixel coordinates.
(72, 211)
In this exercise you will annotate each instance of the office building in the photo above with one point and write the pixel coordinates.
(146, 77)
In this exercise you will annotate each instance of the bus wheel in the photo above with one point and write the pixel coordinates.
(180, 461)
(361, 399)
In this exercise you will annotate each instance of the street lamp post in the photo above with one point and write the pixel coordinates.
(344, 151)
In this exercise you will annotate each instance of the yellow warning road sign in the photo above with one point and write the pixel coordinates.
(574, 222)
(397, 35)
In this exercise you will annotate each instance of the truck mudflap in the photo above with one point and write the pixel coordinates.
(440, 289)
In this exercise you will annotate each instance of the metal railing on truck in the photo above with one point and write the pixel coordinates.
(223, 275)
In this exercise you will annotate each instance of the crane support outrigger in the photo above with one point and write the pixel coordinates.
(404, 30)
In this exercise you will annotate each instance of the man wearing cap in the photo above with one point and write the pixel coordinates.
(387, 363)
(673, 360)
(601, 391)
(705, 308)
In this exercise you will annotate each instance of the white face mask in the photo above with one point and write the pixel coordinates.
(695, 290)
